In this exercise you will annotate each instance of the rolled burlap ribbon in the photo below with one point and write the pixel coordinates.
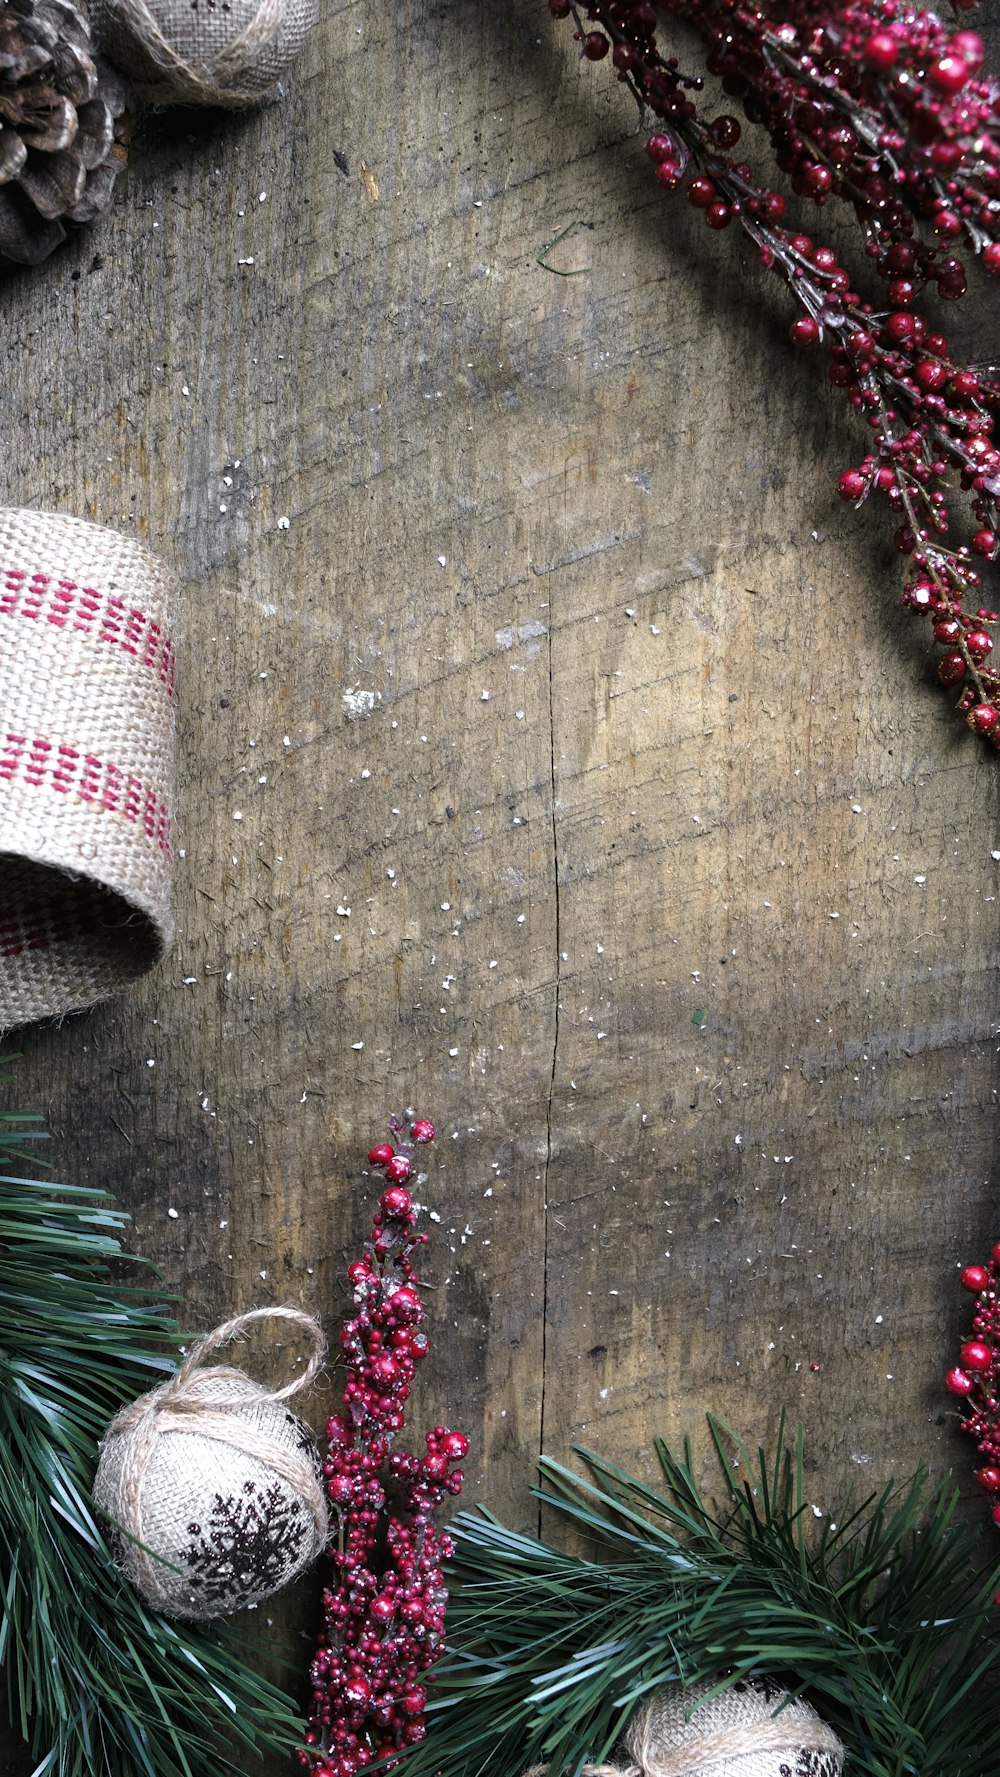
(213, 1488)
(86, 763)
(203, 52)
(749, 1730)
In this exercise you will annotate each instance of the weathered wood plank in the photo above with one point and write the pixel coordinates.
(711, 1050)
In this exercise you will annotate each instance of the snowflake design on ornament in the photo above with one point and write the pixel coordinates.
(249, 1544)
(811, 1762)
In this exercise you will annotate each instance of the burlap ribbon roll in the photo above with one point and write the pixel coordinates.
(203, 52)
(86, 763)
(212, 1486)
(750, 1730)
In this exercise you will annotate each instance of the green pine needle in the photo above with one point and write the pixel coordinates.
(881, 1616)
(97, 1685)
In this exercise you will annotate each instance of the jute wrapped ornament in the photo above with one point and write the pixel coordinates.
(212, 1486)
(203, 52)
(86, 763)
(749, 1730)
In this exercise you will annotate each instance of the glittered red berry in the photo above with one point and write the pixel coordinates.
(976, 1356)
(725, 131)
(596, 46)
(399, 1168)
(454, 1445)
(989, 1478)
(975, 1277)
(957, 1382)
(851, 485)
(985, 720)
(701, 193)
(660, 147)
(979, 644)
(952, 282)
(560, 9)
(946, 156)
(817, 180)
(804, 331)
(951, 669)
(381, 1154)
(931, 376)
(969, 45)
(984, 543)
(396, 1201)
(965, 384)
(880, 51)
(949, 73)
(718, 215)
(991, 258)
(406, 1304)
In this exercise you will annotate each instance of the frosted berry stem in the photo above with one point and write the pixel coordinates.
(383, 1614)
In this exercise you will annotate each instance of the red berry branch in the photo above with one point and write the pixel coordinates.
(383, 1617)
(976, 1377)
(931, 417)
(877, 103)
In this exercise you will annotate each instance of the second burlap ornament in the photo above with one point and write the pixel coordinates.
(87, 621)
(749, 1730)
(212, 1487)
(203, 52)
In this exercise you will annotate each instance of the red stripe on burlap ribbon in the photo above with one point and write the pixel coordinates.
(106, 617)
(46, 765)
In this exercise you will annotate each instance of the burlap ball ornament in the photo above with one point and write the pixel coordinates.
(203, 52)
(750, 1730)
(212, 1487)
(87, 621)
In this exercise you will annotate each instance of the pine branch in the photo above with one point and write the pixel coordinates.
(96, 1684)
(881, 1616)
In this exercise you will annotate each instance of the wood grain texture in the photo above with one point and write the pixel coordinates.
(553, 757)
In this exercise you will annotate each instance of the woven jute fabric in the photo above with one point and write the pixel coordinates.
(203, 52)
(212, 1486)
(87, 621)
(750, 1730)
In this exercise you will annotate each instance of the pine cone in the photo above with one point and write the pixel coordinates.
(62, 127)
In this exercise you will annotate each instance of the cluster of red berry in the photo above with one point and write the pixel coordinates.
(976, 1377)
(878, 104)
(882, 105)
(383, 1619)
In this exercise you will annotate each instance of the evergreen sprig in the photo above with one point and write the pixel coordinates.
(96, 1684)
(882, 1616)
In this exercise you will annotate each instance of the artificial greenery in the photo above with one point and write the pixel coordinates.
(96, 1684)
(881, 1616)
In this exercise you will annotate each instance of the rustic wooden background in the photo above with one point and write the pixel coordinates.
(554, 756)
